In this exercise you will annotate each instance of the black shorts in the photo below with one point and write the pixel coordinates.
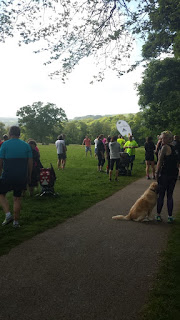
(15, 187)
(61, 156)
(149, 157)
(113, 161)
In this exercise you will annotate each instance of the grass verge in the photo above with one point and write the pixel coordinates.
(164, 299)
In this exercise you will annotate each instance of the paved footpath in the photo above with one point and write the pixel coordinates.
(90, 267)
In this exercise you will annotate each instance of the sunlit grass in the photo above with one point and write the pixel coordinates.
(79, 187)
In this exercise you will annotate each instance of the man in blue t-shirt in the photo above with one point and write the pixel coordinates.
(15, 170)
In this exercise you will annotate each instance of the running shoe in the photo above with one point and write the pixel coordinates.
(16, 225)
(170, 219)
(158, 218)
(7, 220)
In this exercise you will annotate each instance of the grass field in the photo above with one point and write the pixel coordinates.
(79, 187)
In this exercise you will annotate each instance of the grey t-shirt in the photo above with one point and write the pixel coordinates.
(114, 150)
(60, 144)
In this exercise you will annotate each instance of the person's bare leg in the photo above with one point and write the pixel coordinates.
(117, 174)
(153, 169)
(4, 203)
(110, 174)
(31, 191)
(62, 164)
(147, 168)
(17, 208)
(58, 164)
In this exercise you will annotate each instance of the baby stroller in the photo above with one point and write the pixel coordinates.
(124, 167)
(47, 180)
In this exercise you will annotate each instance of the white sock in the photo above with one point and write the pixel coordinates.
(8, 214)
(15, 222)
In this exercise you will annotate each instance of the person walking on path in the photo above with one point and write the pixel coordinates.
(87, 143)
(130, 147)
(61, 152)
(115, 149)
(16, 168)
(167, 172)
(149, 156)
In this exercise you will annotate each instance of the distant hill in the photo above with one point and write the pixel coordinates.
(8, 121)
(90, 117)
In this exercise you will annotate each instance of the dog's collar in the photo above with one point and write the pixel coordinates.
(153, 190)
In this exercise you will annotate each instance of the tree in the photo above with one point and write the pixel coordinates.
(160, 95)
(72, 132)
(95, 129)
(2, 129)
(41, 120)
(164, 29)
(159, 91)
(139, 128)
(83, 131)
(71, 30)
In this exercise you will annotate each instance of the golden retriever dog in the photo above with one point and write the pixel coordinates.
(143, 206)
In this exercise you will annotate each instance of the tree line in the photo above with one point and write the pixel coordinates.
(44, 122)
(106, 29)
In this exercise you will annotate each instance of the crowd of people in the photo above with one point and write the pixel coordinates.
(166, 154)
(110, 149)
(20, 165)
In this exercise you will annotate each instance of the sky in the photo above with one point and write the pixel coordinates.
(24, 80)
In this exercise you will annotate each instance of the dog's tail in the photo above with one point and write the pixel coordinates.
(121, 217)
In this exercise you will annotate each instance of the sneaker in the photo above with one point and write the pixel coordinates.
(7, 220)
(158, 218)
(148, 178)
(16, 225)
(170, 219)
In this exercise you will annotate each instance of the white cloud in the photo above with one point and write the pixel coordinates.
(24, 80)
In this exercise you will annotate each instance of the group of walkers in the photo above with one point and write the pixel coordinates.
(167, 152)
(109, 149)
(20, 165)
